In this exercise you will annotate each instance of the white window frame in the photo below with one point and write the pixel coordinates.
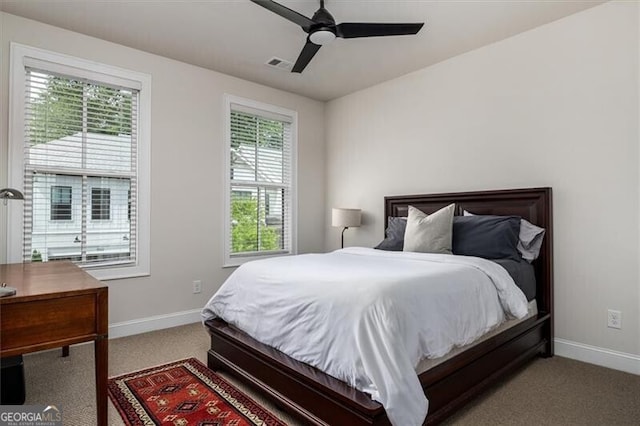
(58, 62)
(231, 261)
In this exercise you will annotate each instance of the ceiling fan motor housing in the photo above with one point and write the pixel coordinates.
(324, 31)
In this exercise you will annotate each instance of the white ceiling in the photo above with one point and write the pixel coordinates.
(237, 37)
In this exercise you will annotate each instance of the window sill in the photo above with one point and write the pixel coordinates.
(117, 273)
(234, 262)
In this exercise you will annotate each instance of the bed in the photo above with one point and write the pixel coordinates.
(318, 398)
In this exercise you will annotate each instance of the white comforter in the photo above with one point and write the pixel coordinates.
(367, 316)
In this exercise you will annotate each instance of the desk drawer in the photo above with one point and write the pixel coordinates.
(48, 320)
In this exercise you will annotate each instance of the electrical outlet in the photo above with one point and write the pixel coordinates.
(197, 286)
(614, 319)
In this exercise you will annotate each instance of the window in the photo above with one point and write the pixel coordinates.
(101, 203)
(81, 132)
(260, 193)
(60, 203)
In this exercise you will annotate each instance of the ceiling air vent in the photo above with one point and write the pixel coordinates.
(280, 64)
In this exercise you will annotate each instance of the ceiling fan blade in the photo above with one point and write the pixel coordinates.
(308, 52)
(286, 13)
(362, 29)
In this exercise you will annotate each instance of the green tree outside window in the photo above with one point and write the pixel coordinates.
(247, 222)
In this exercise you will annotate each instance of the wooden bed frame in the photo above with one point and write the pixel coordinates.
(317, 398)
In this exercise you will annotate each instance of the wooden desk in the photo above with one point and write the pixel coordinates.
(56, 304)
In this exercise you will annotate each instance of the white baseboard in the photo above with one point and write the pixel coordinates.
(599, 356)
(157, 322)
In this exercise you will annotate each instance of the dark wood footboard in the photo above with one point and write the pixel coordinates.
(319, 399)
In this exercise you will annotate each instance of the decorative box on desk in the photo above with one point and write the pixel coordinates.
(56, 304)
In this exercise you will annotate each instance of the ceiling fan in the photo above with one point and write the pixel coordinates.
(322, 29)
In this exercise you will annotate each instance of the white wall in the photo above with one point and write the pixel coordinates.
(186, 167)
(555, 106)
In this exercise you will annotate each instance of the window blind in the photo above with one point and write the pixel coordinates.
(80, 170)
(260, 182)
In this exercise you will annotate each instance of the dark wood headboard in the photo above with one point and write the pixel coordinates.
(533, 204)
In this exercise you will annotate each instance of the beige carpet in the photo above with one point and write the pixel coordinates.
(555, 391)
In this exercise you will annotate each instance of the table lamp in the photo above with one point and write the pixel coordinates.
(5, 195)
(345, 218)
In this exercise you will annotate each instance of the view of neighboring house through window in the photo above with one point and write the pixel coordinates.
(80, 169)
(260, 192)
(80, 152)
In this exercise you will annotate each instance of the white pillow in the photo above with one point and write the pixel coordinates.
(429, 233)
(529, 240)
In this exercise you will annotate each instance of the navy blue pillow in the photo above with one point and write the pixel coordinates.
(394, 234)
(491, 237)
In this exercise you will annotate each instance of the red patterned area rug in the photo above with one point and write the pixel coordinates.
(184, 393)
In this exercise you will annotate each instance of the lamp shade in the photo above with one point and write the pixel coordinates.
(345, 218)
(11, 194)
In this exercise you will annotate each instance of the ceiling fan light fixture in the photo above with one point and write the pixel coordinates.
(322, 36)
